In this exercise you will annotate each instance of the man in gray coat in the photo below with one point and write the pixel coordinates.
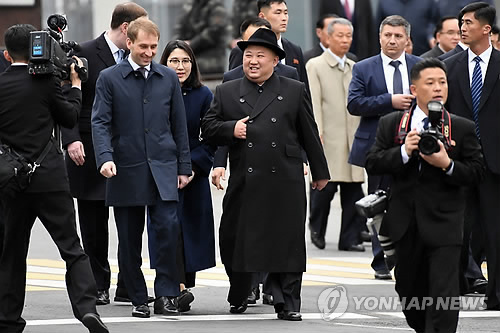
(141, 146)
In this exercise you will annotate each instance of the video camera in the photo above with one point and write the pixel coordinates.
(429, 138)
(49, 54)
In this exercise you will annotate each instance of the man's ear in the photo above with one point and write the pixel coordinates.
(261, 15)
(413, 90)
(7, 56)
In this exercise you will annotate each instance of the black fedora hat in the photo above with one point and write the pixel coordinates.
(264, 37)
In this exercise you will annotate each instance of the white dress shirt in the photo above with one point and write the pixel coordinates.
(115, 50)
(389, 73)
(485, 59)
(136, 67)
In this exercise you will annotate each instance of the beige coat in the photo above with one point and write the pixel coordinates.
(329, 86)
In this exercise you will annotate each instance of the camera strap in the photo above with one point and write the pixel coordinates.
(404, 126)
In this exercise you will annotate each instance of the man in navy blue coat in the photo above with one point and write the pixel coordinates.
(141, 146)
(372, 95)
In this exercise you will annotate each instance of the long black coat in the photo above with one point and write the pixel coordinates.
(263, 225)
(85, 181)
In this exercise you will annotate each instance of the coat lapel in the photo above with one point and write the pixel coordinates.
(246, 88)
(463, 78)
(379, 72)
(492, 75)
(271, 89)
(103, 51)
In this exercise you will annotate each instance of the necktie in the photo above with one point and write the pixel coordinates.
(426, 123)
(143, 71)
(475, 90)
(119, 57)
(347, 10)
(397, 82)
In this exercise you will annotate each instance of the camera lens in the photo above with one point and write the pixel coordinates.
(428, 144)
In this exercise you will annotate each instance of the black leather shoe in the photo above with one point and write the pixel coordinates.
(253, 296)
(383, 275)
(102, 297)
(141, 311)
(354, 248)
(184, 300)
(238, 308)
(267, 299)
(478, 286)
(317, 240)
(290, 315)
(365, 236)
(121, 296)
(94, 323)
(166, 305)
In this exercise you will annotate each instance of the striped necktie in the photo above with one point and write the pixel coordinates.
(476, 88)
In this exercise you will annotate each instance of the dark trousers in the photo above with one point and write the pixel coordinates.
(93, 217)
(130, 226)
(423, 271)
(483, 206)
(351, 222)
(285, 288)
(56, 212)
(375, 183)
(240, 284)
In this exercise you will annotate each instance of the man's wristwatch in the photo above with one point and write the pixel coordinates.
(448, 168)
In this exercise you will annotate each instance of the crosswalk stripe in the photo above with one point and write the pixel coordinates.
(47, 274)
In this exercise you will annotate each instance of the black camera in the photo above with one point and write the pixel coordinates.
(429, 138)
(372, 204)
(49, 54)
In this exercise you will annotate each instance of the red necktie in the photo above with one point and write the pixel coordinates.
(347, 10)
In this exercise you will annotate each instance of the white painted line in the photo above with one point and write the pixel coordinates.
(378, 327)
(462, 314)
(342, 280)
(341, 269)
(46, 283)
(358, 260)
(184, 318)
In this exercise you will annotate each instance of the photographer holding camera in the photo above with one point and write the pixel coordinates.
(30, 107)
(425, 213)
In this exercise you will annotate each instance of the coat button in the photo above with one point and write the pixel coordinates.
(273, 169)
(184, 93)
(242, 100)
(146, 130)
(250, 145)
(280, 98)
(260, 90)
(250, 169)
(149, 160)
(273, 119)
(273, 144)
(250, 121)
(146, 101)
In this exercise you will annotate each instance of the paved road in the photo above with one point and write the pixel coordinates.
(48, 310)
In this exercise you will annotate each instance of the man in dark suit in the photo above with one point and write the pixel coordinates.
(265, 148)
(475, 94)
(380, 85)
(425, 214)
(359, 12)
(141, 146)
(4, 63)
(86, 184)
(322, 33)
(447, 36)
(29, 108)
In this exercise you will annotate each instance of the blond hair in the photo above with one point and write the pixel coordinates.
(144, 24)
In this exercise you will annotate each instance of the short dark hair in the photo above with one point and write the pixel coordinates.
(495, 30)
(194, 79)
(267, 3)
(256, 22)
(126, 12)
(439, 25)
(396, 21)
(423, 64)
(320, 23)
(483, 12)
(17, 41)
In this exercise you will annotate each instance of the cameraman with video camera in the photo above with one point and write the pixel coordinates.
(425, 213)
(30, 107)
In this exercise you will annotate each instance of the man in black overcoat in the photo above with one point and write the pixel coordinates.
(265, 156)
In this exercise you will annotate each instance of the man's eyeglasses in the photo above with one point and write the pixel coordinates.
(176, 62)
